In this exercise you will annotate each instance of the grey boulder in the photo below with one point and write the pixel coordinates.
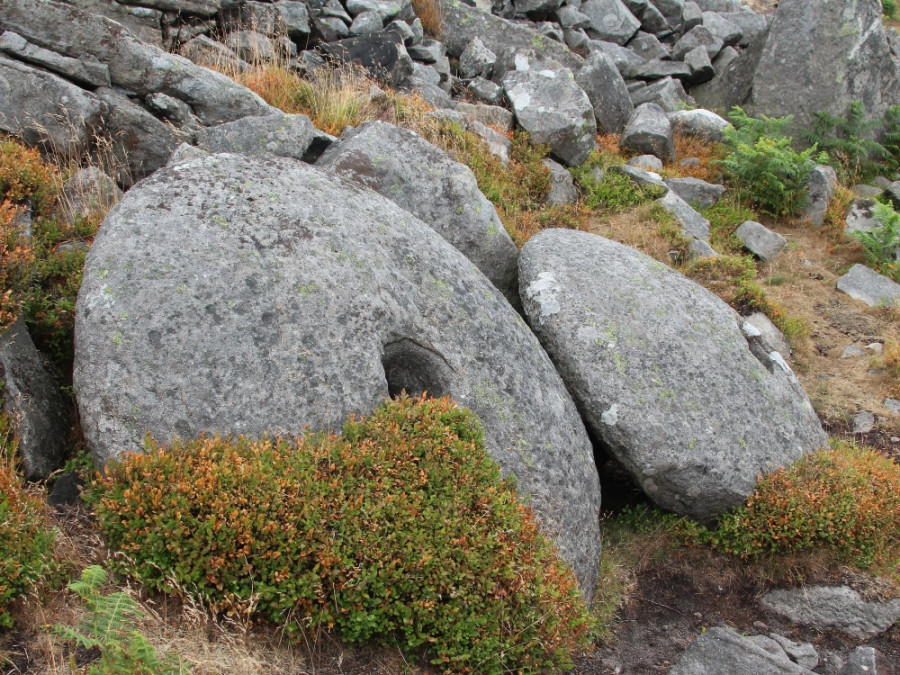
(554, 111)
(722, 650)
(610, 21)
(261, 295)
(759, 240)
(696, 191)
(693, 224)
(864, 283)
(820, 185)
(663, 375)
(606, 90)
(404, 167)
(649, 132)
(699, 123)
(278, 134)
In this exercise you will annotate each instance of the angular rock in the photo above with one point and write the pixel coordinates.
(193, 7)
(403, 167)
(83, 71)
(143, 22)
(622, 57)
(569, 17)
(493, 115)
(476, 60)
(562, 187)
(576, 39)
(863, 283)
(699, 36)
(648, 47)
(866, 660)
(88, 192)
(658, 69)
(294, 299)
(536, 9)
(487, 91)
(722, 650)
(852, 352)
(750, 24)
(386, 9)
(691, 16)
(330, 28)
(729, 33)
(610, 20)
(649, 132)
(461, 24)
(32, 402)
(701, 67)
(699, 123)
(280, 134)
(893, 405)
(769, 332)
(295, 18)
(497, 144)
(698, 248)
(207, 52)
(820, 185)
(671, 9)
(641, 176)
(759, 240)
(661, 372)
(863, 422)
(133, 65)
(843, 56)
(646, 162)
(833, 608)
(696, 191)
(734, 78)
(801, 653)
(667, 93)
(605, 87)
(693, 225)
(554, 111)
(653, 21)
(523, 60)
(383, 55)
(366, 23)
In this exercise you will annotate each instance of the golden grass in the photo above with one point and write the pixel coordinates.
(429, 11)
(704, 152)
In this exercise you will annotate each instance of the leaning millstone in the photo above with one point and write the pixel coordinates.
(383, 55)
(696, 191)
(697, 37)
(861, 216)
(699, 123)
(87, 193)
(64, 116)
(280, 134)
(833, 608)
(770, 333)
(667, 93)
(30, 399)
(701, 67)
(722, 650)
(554, 111)
(261, 295)
(649, 132)
(863, 283)
(562, 186)
(662, 373)
(759, 240)
(460, 24)
(404, 167)
(728, 32)
(866, 660)
(134, 66)
(693, 225)
(605, 87)
(801, 653)
(476, 60)
(610, 20)
(820, 185)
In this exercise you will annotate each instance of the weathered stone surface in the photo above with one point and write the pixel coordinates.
(729, 33)
(750, 24)
(366, 23)
(833, 608)
(646, 162)
(648, 46)
(641, 176)
(769, 332)
(820, 185)
(605, 87)
(261, 295)
(404, 167)
(722, 650)
(494, 115)
(624, 58)
(671, 9)
(661, 372)
(667, 93)
(696, 191)
(760, 240)
(699, 36)
(653, 21)
(691, 16)
(536, 9)
(734, 78)
(863, 283)
(699, 123)
(476, 60)
(279, 134)
(330, 28)
(693, 225)
(801, 653)
(31, 400)
(658, 69)
(701, 67)
(143, 22)
(862, 422)
(133, 65)
(295, 17)
(207, 52)
(461, 24)
(554, 111)
(83, 71)
(64, 116)
(487, 91)
(843, 56)
(562, 187)
(87, 192)
(866, 660)
(649, 132)
(383, 55)
(610, 20)
(569, 17)
(196, 7)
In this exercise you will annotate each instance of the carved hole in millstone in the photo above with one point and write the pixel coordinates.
(414, 368)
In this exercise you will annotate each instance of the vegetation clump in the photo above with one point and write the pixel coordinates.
(26, 542)
(400, 531)
(882, 245)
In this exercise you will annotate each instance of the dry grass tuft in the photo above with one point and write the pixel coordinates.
(429, 11)
(640, 229)
(706, 154)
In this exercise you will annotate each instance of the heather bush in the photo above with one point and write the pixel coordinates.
(400, 531)
(26, 542)
(846, 499)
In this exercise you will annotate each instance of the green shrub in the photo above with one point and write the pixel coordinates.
(881, 245)
(109, 627)
(846, 499)
(26, 542)
(889, 8)
(400, 531)
(616, 193)
(763, 165)
(891, 137)
(846, 139)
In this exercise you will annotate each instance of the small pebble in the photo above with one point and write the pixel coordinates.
(760, 626)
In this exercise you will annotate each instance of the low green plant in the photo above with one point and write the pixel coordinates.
(109, 627)
(26, 540)
(889, 9)
(845, 499)
(891, 137)
(763, 165)
(400, 531)
(724, 217)
(615, 193)
(881, 245)
(848, 141)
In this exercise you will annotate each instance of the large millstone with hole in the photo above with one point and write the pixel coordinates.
(694, 408)
(261, 295)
